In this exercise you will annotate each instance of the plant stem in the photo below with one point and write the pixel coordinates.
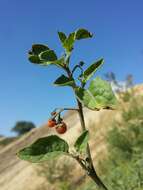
(90, 170)
(61, 110)
(64, 109)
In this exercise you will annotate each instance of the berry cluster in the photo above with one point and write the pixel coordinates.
(59, 125)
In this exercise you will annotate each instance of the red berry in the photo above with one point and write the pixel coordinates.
(51, 123)
(61, 128)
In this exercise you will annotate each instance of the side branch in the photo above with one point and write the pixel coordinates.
(57, 111)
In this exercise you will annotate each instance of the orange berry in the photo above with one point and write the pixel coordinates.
(61, 128)
(51, 123)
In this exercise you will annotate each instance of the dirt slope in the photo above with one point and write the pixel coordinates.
(20, 175)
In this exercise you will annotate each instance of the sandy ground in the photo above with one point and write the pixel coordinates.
(20, 175)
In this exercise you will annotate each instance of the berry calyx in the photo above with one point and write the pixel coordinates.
(61, 128)
(51, 123)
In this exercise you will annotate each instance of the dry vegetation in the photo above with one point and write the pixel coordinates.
(20, 175)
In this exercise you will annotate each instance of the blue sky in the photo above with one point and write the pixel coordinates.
(26, 90)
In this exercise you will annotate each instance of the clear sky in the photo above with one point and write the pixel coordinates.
(26, 90)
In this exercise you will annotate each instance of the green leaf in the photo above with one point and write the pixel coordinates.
(64, 81)
(89, 72)
(33, 55)
(45, 57)
(82, 34)
(81, 143)
(38, 48)
(98, 96)
(34, 59)
(44, 149)
(69, 42)
(62, 37)
(48, 56)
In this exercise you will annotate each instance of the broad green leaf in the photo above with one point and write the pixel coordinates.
(38, 48)
(42, 55)
(62, 37)
(64, 81)
(89, 72)
(98, 96)
(33, 55)
(81, 143)
(82, 34)
(48, 56)
(69, 42)
(44, 149)
(34, 59)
